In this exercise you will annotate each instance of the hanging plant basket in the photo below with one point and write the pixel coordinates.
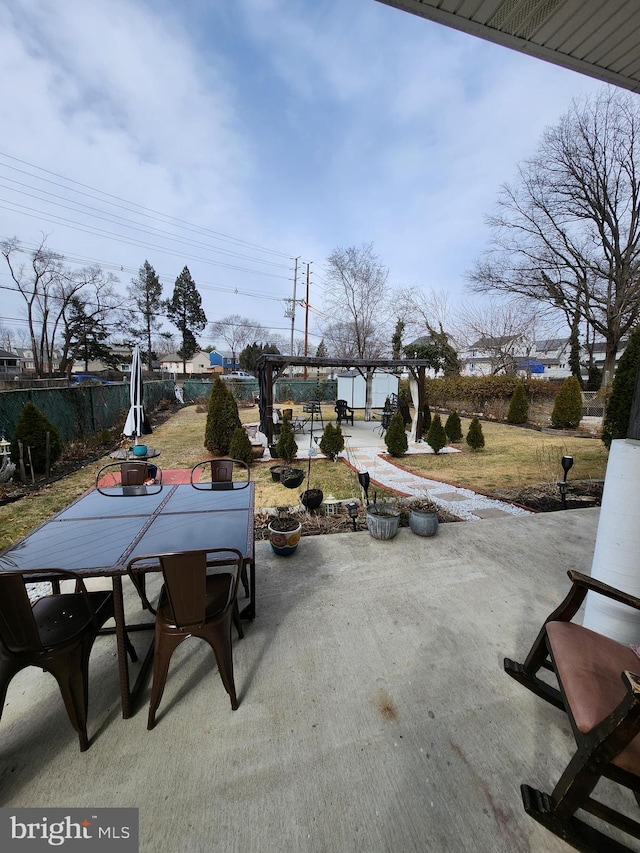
(276, 470)
(291, 478)
(312, 498)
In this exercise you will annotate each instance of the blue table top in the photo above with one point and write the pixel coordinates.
(98, 534)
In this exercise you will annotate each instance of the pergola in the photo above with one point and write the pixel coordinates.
(271, 367)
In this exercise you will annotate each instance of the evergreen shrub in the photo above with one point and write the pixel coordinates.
(475, 437)
(395, 436)
(567, 408)
(453, 428)
(332, 441)
(436, 437)
(519, 406)
(616, 419)
(286, 447)
(240, 447)
(31, 430)
(222, 419)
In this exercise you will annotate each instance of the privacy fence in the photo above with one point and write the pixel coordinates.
(82, 411)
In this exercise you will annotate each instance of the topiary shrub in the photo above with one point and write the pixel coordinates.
(436, 437)
(567, 408)
(222, 419)
(332, 441)
(286, 447)
(240, 447)
(395, 436)
(616, 419)
(426, 418)
(475, 437)
(452, 428)
(31, 430)
(518, 406)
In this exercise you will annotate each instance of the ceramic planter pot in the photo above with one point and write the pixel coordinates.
(423, 522)
(382, 521)
(139, 449)
(284, 542)
(312, 498)
(257, 450)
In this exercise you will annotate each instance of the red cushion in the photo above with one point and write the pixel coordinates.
(590, 666)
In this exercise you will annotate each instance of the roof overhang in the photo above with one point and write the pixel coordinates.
(600, 38)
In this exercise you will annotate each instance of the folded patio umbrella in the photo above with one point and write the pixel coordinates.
(136, 423)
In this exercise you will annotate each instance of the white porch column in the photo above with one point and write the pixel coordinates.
(616, 558)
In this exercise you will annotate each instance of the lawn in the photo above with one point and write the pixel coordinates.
(513, 457)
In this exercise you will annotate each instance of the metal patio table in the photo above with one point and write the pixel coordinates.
(98, 534)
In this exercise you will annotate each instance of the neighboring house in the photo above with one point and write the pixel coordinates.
(9, 364)
(220, 362)
(553, 355)
(27, 362)
(121, 351)
(488, 356)
(198, 363)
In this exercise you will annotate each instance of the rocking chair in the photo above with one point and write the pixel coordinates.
(601, 695)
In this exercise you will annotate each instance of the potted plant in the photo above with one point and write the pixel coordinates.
(383, 520)
(291, 478)
(423, 517)
(311, 498)
(284, 533)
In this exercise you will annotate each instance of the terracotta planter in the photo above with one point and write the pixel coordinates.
(382, 521)
(284, 542)
(423, 522)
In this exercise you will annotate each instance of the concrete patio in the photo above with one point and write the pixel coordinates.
(374, 716)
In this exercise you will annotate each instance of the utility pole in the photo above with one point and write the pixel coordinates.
(292, 312)
(306, 321)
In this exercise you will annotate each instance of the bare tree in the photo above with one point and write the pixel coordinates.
(49, 289)
(356, 291)
(568, 233)
(237, 332)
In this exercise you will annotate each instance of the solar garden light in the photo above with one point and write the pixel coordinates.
(567, 465)
(352, 509)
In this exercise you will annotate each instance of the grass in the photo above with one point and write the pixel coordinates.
(513, 457)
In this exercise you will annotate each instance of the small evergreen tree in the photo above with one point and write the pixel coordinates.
(332, 441)
(31, 430)
(426, 418)
(452, 428)
(475, 437)
(567, 407)
(286, 447)
(222, 418)
(436, 437)
(395, 436)
(616, 420)
(240, 447)
(519, 406)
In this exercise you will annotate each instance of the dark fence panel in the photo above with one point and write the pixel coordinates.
(81, 411)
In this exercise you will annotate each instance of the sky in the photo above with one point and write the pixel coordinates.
(236, 137)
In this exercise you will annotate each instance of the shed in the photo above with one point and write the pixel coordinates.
(352, 387)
